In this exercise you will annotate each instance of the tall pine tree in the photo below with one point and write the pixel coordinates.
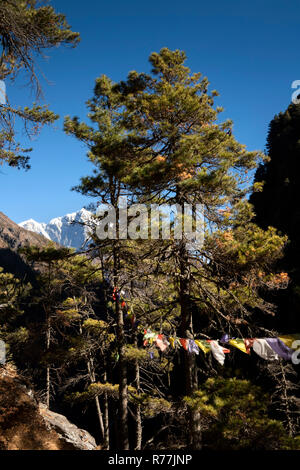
(276, 203)
(157, 139)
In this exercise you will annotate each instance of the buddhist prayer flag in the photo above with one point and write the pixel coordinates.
(248, 344)
(217, 352)
(225, 339)
(149, 334)
(149, 337)
(203, 345)
(193, 348)
(264, 350)
(280, 348)
(162, 342)
(288, 340)
(239, 343)
(184, 343)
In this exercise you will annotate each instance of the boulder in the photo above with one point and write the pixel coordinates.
(68, 433)
(25, 424)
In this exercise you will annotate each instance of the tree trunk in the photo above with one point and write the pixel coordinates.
(48, 387)
(100, 418)
(106, 417)
(286, 401)
(123, 393)
(138, 415)
(48, 340)
(189, 360)
(92, 376)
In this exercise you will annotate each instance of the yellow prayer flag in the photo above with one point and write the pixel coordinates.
(238, 343)
(203, 345)
(289, 339)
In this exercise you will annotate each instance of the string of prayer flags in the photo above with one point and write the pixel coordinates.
(115, 294)
(243, 345)
(190, 345)
(267, 348)
(128, 313)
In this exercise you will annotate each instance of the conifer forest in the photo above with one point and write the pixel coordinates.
(174, 325)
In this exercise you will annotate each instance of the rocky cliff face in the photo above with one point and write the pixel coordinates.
(12, 237)
(27, 425)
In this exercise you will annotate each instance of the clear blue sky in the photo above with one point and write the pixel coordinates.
(249, 50)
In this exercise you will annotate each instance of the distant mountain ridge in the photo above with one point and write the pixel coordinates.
(66, 230)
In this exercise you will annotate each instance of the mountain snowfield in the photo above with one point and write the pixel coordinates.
(63, 230)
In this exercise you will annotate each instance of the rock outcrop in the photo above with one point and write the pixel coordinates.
(12, 237)
(27, 425)
(68, 433)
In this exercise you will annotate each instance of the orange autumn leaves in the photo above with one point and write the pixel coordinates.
(224, 240)
(277, 281)
(249, 244)
(250, 250)
(225, 212)
(182, 173)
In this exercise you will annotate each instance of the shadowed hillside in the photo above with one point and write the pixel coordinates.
(13, 237)
(27, 425)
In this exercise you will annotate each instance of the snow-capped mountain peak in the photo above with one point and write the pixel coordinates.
(64, 230)
(36, 227)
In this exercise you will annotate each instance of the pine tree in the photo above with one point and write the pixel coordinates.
(105, 142)
(156, 138)
(87, 336)
(50, 287)
(65, 293)
(276, 202)
(181, 155)
(12, 295)
(236, 417)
